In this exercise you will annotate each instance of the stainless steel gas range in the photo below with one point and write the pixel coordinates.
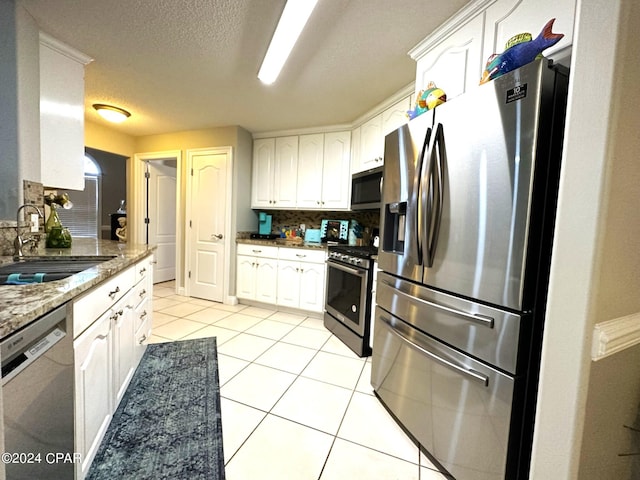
(348, 302)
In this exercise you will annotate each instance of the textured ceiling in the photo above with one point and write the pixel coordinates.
(189, 64)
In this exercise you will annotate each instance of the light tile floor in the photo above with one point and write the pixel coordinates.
(296, 402)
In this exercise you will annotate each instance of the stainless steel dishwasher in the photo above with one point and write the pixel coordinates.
(37, 389)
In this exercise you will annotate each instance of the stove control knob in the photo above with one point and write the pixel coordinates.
(357, 261)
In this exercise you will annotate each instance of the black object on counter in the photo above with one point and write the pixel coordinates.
(264, 236)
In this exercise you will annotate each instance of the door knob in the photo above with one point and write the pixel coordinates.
(218, 236)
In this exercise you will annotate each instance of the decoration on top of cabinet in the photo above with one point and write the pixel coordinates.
(520, 50)
(427, 100)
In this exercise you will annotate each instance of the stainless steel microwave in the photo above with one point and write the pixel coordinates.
(366, 189)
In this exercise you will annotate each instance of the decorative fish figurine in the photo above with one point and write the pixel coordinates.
(427, 100)
(520, 54)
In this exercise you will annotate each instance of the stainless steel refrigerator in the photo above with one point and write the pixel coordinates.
(467, 220)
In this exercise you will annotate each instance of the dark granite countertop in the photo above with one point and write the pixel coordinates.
(21, 304)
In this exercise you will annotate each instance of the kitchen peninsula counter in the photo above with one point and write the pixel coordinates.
(21, 304)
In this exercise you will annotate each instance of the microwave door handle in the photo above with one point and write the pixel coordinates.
(417, 188)
(436, 196)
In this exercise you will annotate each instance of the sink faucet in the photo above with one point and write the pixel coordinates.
(19, 242)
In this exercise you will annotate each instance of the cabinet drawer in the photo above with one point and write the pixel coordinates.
(96, 301)
(144, 268)
(263, 251)
(142, 314)
(302, 255)
(141, 292)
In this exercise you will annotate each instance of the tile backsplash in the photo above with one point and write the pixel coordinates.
(33, 193)
(312, 219)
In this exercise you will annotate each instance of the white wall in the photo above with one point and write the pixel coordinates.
(594, 271)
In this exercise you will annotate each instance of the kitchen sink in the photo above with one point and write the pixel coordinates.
(46, 269)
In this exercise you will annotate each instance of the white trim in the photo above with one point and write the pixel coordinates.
(615, 335)
(64, 49)
(136, 207)
(405, 91)
(459, 19)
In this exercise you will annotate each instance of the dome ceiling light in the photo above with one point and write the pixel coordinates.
(111, 113)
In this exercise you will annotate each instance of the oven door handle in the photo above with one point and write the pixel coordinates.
(355, 271)
(461, 369)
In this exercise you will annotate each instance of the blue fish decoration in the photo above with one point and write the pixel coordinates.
(520, 54)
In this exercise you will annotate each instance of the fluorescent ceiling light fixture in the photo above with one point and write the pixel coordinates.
(294, 18)
(111, 113)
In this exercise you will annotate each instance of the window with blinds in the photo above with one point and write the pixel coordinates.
(82, 219)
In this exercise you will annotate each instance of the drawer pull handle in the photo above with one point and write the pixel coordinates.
(142, 339)
(143, 314)
(256, 251)
(113, 293)
(143, 293)
(143, 271)
(300, 255)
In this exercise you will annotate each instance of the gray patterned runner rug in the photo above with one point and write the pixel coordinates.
(168, 424)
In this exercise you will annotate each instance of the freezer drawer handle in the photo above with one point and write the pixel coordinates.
(461, 369)
(483, 320)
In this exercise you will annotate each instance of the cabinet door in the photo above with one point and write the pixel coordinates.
(263, 172)
(288, 283)
(371, 143)
(246, 279)
(311, 286)
(93, 388)
(506, 18)
(61, 129)
(355, 150)
(266, 280)
(310, 166)
(395, 116)
(453, 63)
(336, 177)
(122, 316)
(286, 172)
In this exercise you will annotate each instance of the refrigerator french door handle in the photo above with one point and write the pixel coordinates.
(417, 188)
(425, 211)
(435, 194)
(483, 320)
(461, 369)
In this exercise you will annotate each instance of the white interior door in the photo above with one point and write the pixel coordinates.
(162, 217)
(206, 223)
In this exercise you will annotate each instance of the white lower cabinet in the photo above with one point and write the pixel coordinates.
(257, 269)
(283, 276)
(93, 389)
(109, 342)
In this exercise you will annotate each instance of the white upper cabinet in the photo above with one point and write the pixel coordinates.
(264, 151)
(310, 166)
(310, 172)
(507, 18)
(61, 114)
(453, 63)
(455, 55)
(275, 169)
(286, 172)
(336, 176)
(395, 116)
(371, 144)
